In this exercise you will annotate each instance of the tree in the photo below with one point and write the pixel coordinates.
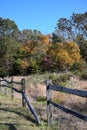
(48, 63)
(28, 34)
(83, 46)
(79, 24)
(71, 28)
(8, 44)
(8, 28)
(8, 49)
(73, 50)
(56, 38)
(65, 55)
(35, 51)
(64, 28)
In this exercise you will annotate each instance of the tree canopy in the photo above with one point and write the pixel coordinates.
(71, 28)
(29, 51)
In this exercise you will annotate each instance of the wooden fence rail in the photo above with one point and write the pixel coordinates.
(10, 84)
(50, 103)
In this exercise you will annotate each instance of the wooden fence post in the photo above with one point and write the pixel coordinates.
(49, 106)
(12, 91)
(23, 91)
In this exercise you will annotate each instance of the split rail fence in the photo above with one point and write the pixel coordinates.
(50, 103)
(10, 84)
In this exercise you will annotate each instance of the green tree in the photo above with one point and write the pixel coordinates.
(71, 28)
(8, 28)
(8, 49)
(8, 44)
(83, 46)
(28, 34)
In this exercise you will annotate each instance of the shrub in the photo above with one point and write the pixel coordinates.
(84, 75)
(61, 79)
(40, 98)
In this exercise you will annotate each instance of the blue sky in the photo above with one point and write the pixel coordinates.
(40, 14)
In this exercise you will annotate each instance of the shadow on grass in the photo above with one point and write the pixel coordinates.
(27, 117)
(10, 126)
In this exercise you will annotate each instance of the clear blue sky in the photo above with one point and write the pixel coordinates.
(40, 14)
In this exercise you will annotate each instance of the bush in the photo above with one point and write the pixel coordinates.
(61, 79)
(84, 75)
(41, 99)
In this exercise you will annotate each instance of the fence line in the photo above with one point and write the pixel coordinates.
(50, 103)
(9, 84)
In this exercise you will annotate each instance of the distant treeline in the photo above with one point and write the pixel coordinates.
(30, 51)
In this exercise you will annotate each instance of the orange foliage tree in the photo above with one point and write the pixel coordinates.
(32, 52)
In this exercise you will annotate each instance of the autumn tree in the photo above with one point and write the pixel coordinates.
(74, 52)
(73, 29)
(30, 54)
(65, 55)
(36, 50)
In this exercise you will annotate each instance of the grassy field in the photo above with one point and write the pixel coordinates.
(14, 117)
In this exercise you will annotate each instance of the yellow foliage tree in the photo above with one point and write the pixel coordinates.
(73, 50)
(63, 59)
(65, 54)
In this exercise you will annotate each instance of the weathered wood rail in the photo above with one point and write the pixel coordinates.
(50, 103)
(25, 99)
(10, 84)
